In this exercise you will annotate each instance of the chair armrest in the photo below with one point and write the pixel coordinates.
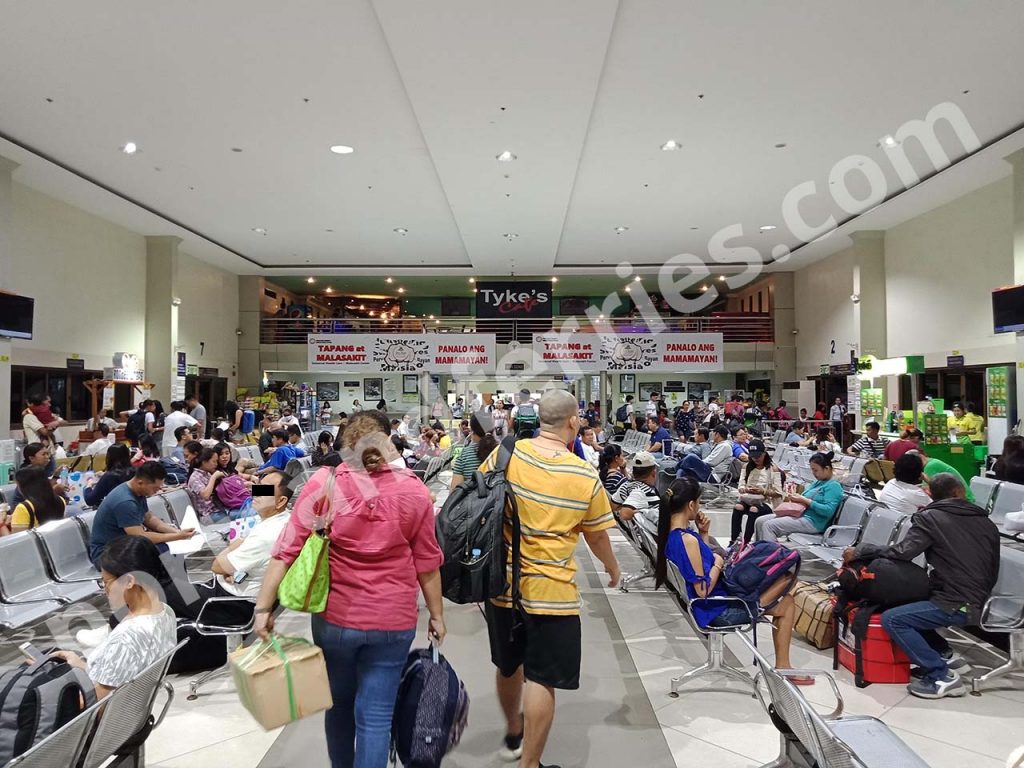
(835, 713)
(831, 532)
(169, 690)
(216, 629)
(1017, 622)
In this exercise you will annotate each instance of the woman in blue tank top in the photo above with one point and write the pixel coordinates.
(701, 560)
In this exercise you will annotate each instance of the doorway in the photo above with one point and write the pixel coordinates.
(212, 392)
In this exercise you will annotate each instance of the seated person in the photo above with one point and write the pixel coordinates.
(961, 546)
(295, 439)
(250, 555)
(119, 469)
(909, 441)
(124, 512)
(282, 451)
(820, 499)
(933, 467)
(39, 504)
(700, 561)
(102, 439)
(611, 466)
(718, 462)
(904, 492)
(661, 440)
(799, 435)
(183, 435)
(325, 451)
(229, 467)
(869, 445)
(428, 447)
(190, 450)
(149, 450)
(103, 417)
(444, 440)
(740, 441)
(203, 476)
(590, 447)
(701, 445)
(147, 628)
(825, 440)
(760, 489)
(639, 498)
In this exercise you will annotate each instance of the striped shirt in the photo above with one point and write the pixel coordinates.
(467, 462)
(870, 449)
(613, 480)
(558, 498)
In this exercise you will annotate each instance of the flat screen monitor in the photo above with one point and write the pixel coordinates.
(16, 316)
(1008, 309)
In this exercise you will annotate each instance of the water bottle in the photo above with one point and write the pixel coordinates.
(64, 475)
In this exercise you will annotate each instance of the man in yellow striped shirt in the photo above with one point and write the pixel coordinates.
(559, 496)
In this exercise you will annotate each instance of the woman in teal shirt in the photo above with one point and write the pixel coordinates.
(820, 499)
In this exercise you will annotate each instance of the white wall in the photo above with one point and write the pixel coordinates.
(87, 275)
(824, 313)
(941, 268)
(208, 313)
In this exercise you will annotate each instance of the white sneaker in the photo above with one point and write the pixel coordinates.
(90, 638)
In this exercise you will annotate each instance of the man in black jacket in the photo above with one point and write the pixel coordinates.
(961, 545)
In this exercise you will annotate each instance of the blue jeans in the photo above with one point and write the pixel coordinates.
(695, 467)
(912, 627)
(364, 669)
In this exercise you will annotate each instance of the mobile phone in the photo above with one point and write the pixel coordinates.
(30, 652)
(239, 577)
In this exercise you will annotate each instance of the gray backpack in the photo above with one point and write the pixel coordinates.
(39, 699)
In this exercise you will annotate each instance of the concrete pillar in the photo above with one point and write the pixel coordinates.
(1017, 161)
(783, 293)
(869, 285)
(161, 313)
(250, 298)
(7, 168)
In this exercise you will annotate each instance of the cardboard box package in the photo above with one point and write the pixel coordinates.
(814, 615)
(281, 680)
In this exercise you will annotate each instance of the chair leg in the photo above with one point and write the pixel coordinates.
(629, 578)
(788, 749)
(1014, 665)
(714, 665)
(203, 679)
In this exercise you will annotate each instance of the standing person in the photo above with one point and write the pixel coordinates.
(356, 406)
(560, 494)
(836, 414)
(325, 412)
(124, 512)
(175, 419)
(501, 420)
(198, 412)
(961, 546)
(40, 406)
(459, 409)
(593, 414)
(684, 421)
(711, 416)
(967, 423)
(141, 422)
(782, 415)
(382, 405)
(651, 406)
(35, 431)
(820, 499)
(439, 410)
(382, 551)
(760, 490)
(472, 456)
(869, 445)
(819, 412)
(624, 412)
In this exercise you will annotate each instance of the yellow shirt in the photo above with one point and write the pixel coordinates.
(23, 518)
(970, 425)
(444, 443)
(558, 498)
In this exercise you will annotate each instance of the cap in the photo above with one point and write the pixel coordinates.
(756, 448)
(642, 460)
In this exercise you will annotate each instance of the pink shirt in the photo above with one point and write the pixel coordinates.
(382, 537)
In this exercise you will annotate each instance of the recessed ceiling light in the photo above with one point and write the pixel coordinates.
(636, 279)
(342, 149)
(130, 148)
(767, 227)
(888, 141)
(436, 322)
(620, 230)
(401, 290)
(362, 306)
(671, 146)
(781, 145)
(694, 228)
(703, 288)
(328, 289)
(389, 280)
(259, 230)
(554, 279)
(600, 317)
(431, 317)
(505, 157)
(236, 149)
(472, 279)
(401, 231)
(385, 320)
(510, 236)
(721, 278)
(372, 313)
(474, 290)
(627, 289)
(310, 279)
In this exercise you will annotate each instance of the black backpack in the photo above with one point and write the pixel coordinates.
(39, 699)
(470, 530)
(527, 419)
(621, 413)
(136, 426)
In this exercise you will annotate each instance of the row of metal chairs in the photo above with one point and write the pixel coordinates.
(999, 498)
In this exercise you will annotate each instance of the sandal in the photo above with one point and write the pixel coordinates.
(802, 680)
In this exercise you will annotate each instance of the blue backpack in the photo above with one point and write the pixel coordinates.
(431, 711)
(751, 570)
(248, 422)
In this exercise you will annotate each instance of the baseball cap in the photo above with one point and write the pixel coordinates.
(642, 460)
(756, 448)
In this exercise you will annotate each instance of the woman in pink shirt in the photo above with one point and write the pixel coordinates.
(382, 553)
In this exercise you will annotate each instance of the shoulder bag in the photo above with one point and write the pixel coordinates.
(308, 579)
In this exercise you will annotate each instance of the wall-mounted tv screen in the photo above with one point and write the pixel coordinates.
(1008, 309)
(16, 316)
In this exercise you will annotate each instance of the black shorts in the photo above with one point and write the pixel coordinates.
(548, 648)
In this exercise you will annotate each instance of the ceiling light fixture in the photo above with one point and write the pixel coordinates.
(620, 230)
(505, 157)
(389, 280)
(721, 278)
(703, 289)
(328, 289)
(401, 290)
(600, 317)
(671, 146)
(436, 322)
(362, 307)
(401, 231)
(554, 279)
(472, 279)
(259, 230)
(627, 289)
(510, 236)
(372, 313)
(781, 145)
(888, 141)
(342, 149)
(636, 279)
(431, 317)
(310, 280)
(130, 148)
(767, 227)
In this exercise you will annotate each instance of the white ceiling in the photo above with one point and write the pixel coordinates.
(583, 91)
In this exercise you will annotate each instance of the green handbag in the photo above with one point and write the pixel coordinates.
(308, 579)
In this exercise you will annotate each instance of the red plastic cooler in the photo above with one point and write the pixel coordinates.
(882, 660)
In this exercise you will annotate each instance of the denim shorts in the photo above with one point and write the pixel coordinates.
(732, 616)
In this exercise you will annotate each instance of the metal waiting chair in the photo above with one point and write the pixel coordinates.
(22, 615)
(845, 528)
(883, 527)
(156, 505)
(7, 492)
(24, 578)
(236, 633)
(85, 520)
(1003, 613)
(63, 747)
(177, 501)
(834, 740)
(127, 718)
(1006, 498)
(66, 552)
(634, 533)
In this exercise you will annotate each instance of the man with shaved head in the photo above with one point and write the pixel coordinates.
(536, 638)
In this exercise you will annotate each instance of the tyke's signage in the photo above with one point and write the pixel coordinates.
(506, 299)
(657, 353)
(398, 353)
